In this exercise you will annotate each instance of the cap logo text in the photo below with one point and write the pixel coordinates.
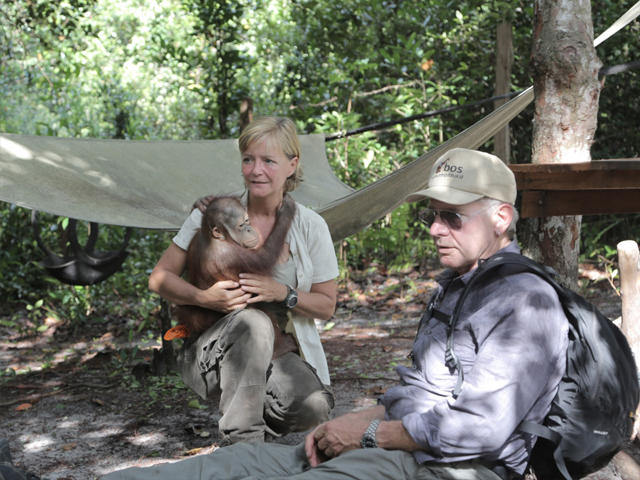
(445, 167)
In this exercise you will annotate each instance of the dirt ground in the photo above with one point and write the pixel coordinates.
(84, 404)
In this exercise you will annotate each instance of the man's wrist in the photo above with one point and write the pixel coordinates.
(369, 438)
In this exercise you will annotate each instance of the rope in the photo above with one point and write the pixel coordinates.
(433, 113)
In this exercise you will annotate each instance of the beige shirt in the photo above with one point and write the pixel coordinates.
(312, 250)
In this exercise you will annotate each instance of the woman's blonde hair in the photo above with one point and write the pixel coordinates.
(282, 131)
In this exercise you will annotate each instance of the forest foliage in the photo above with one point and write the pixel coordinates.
(178, 69)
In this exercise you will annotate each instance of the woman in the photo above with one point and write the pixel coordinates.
(233, 358)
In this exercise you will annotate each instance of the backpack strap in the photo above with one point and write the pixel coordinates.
(551, 435)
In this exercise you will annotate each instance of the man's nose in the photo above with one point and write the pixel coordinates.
(438, 227)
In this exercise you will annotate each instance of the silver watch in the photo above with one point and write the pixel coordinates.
(369, 438)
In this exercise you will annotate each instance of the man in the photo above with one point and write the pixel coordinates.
(8, 471)
(510, 340)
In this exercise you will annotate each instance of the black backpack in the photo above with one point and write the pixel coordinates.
(593, 412)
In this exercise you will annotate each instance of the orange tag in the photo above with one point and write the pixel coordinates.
(24, 406)
(181, 331)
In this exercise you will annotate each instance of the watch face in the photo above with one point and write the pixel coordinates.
(368, 442)
(293, 301)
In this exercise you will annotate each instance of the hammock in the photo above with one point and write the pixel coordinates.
(152, 184)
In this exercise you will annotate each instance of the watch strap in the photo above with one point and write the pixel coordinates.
(291, 299)
(369, 438)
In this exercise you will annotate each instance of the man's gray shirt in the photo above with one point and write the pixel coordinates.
(511, 340)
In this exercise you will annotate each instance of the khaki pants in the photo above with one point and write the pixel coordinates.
(233, 360)
(280, 462)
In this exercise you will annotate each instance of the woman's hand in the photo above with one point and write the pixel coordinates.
(263, 287)
(224, 296)
(166, 280)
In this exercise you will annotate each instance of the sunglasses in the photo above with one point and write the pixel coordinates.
(453, 220)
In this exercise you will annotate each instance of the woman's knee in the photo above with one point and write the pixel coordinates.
(255, 323)
(296, 398)
(298, 414)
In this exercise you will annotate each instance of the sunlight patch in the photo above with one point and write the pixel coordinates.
(147, 439)
(37, 443)
(69, 424)
(105, 432)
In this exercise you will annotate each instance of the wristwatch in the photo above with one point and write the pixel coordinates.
(291, 300)
(369, 437)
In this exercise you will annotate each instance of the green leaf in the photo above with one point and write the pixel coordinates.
(194, 404)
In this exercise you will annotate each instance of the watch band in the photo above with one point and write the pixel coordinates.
(369, 438)
(291, 300)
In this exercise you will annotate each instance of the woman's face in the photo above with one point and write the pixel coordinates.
(265, 168)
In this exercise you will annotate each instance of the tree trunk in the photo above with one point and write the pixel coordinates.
(504, 62)
(565, 69)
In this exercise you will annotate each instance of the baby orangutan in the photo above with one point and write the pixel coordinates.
(224, 247)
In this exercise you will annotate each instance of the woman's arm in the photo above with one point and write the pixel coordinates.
(166, 280)
(320, 302)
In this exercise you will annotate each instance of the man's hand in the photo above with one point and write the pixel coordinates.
(314, 454)
(335, 437)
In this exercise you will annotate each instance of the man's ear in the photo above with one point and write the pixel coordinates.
(217, 234)
(502, 217)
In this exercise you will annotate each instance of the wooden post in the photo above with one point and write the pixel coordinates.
(504, 62)
(629, 266)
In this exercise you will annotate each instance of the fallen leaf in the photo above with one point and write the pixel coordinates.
(193, 451)
(69, 446)
(378, 390)
(194, 429)
(387, 348)
(194, 404)
(24, 406)
(98, 402)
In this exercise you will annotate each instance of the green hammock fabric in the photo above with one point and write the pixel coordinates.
(152, 184)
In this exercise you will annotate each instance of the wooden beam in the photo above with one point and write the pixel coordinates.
(597, 175)
(548, 203)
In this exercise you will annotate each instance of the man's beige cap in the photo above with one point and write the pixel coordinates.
(462, 176)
